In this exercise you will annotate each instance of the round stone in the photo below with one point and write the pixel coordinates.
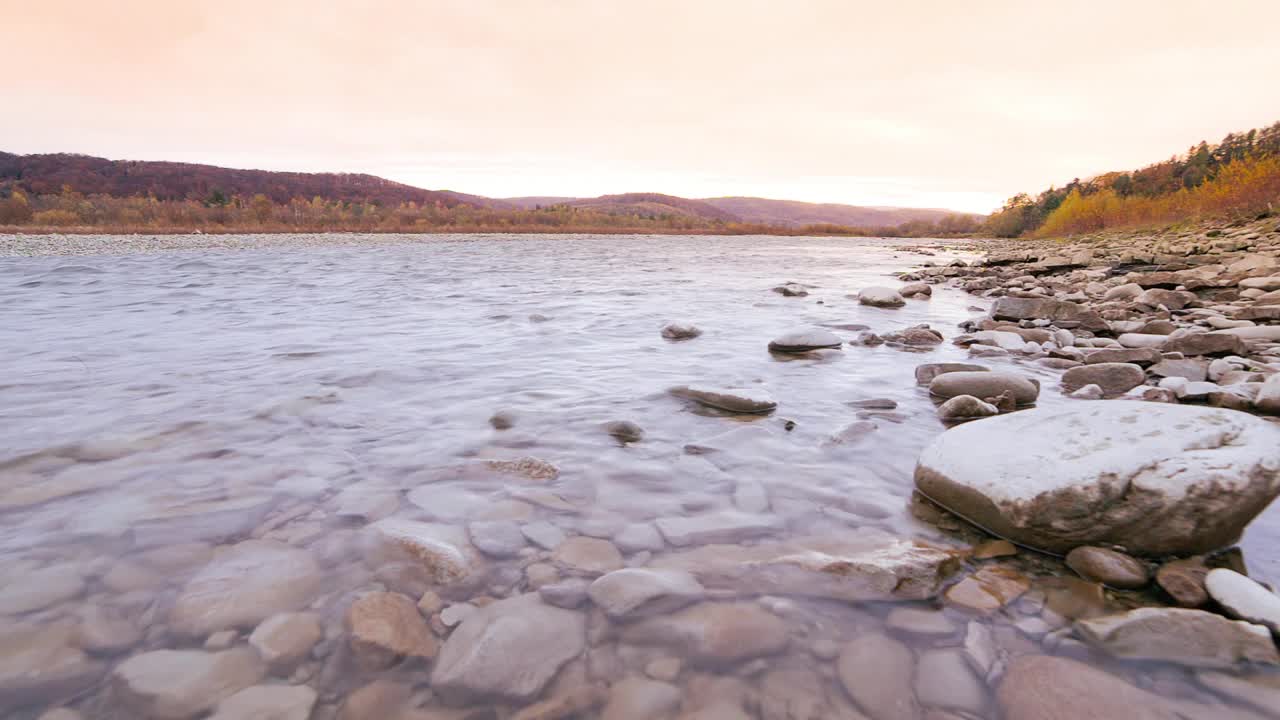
(1108, 567)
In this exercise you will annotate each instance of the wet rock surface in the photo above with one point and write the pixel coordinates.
(1155, 479)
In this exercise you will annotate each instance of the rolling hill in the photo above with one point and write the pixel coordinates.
(792, 213)
(47, 175)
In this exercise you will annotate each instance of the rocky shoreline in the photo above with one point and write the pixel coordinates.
(1109, 589)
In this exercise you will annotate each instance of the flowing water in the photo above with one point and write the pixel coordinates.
(175, 401)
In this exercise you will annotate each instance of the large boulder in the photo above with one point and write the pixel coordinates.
(1156, 479)
(509, 649)
(985, 385)
(1059, 312)
(180, 684)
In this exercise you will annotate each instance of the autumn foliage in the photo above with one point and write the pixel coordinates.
(1238, 178)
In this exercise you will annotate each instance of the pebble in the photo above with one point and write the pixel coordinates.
(1243, 598)
(1108, 567)
(680, 331)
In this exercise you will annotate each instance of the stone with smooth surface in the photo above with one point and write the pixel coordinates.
(985, 385)
(1155, 479)
(1243, 598)
(1180, 635)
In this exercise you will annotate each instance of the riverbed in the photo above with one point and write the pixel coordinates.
(162, 409)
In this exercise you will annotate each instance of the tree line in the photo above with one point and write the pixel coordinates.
(1239, 177)
(70, 210)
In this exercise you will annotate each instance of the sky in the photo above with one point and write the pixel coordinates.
(916, 104)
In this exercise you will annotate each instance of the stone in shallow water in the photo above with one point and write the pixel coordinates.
(509, 649)
(179, 684)
(284, 640)
(726, 526)
(41, 665)
(988, 590)
(386, 626)
(268, 702)
(927, 372)
(680, 331)
(640, 592)
(854, 568)
(805, 340)
(876, 296)
(945, 680)
(243, 585)
(985, 385)
(877, 672)
(1108, 567)
(1260, 690)
(713, 633)
(634, 697)
(588, 555)
(966, 407)
(441, 551)
(1155, 479)
(1180, 635)
(27, 590)
(624, 431)
(1039, 687)
(751, 401)
(1243, 598)
(498, 538)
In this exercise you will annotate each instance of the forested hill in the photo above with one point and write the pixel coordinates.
(1237, 177)
(49, 174)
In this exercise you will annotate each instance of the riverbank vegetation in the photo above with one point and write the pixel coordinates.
(70, 211)
(1238, 178)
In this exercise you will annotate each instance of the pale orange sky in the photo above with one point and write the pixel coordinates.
(929, 104)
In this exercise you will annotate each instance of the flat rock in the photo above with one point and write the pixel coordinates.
(927, 372)
(725, 526)
(985, 385)
(637, 698)
(1243, 598)
(640, 592)
(1137, 356)
(1192, 370)
(1060, 312)
(1210, 343)
(624, 431)
(179, 684)
(805, 340)
(268, 702)
(1259, 690)
(509, 649)
(1180, 635)
(1113, 378)
(28, 590)
(588, 555)
(877, 296)
(713, 633)
(284, 640)
(385, 627)
(1039, 687)
(750, 401)
(1142, 340)
(243, 585)
(41, 665)
(853, 568)
(877, 672)
(1156, 479)
(496, 538)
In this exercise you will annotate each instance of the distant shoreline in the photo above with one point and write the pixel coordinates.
(62, 244)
